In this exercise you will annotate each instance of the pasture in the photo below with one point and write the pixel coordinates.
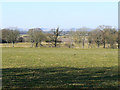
(59, 68)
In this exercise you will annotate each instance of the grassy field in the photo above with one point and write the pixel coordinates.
(59, 67)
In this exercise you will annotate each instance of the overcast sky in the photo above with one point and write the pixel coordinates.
(62, 14)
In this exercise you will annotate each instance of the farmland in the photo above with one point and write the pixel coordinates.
(59, 67)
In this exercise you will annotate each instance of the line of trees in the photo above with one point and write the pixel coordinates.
(36, 36)
(102, 35)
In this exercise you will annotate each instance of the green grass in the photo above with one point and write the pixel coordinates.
(59, 67)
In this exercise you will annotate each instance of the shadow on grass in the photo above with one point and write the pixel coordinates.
(60, 77)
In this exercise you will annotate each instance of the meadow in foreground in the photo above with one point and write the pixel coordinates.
(59, 67)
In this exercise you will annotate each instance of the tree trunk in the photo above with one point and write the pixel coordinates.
(98, 45)
(118, 46)
(104, 45)
(12, 44)
(36, 44)
(55, 43)
(83, 43)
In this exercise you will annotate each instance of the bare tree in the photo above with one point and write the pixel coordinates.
(77, 37)
(104, 29)
(108, 35)
(72, 37)
(55, 34)
(90, 39)
(97, 37)
(83, 33)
